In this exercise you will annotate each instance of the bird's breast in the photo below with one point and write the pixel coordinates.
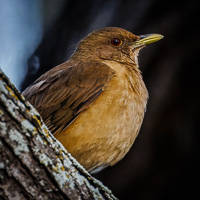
(104, 133)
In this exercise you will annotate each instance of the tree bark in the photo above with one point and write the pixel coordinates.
(33, 164)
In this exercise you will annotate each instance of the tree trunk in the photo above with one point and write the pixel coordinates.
(33, 164)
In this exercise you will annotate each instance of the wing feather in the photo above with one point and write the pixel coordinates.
(62, 93)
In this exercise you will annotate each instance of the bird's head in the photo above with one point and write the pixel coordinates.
(115, 44)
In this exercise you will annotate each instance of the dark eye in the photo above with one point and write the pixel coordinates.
(116, 42)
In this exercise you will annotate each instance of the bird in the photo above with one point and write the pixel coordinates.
(94, 103)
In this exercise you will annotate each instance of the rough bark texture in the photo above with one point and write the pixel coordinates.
(33, 164)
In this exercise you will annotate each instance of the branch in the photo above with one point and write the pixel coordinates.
(33, 164)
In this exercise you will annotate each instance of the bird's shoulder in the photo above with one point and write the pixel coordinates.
(71, 73)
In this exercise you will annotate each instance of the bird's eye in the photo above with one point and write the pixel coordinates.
(116, 42)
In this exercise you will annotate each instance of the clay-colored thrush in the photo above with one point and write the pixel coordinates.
(94, 103)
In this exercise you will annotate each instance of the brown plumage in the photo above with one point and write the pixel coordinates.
(95, 102)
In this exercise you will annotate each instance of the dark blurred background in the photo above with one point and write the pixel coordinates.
(36, 35)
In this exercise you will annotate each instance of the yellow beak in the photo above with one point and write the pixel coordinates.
(148, 39)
